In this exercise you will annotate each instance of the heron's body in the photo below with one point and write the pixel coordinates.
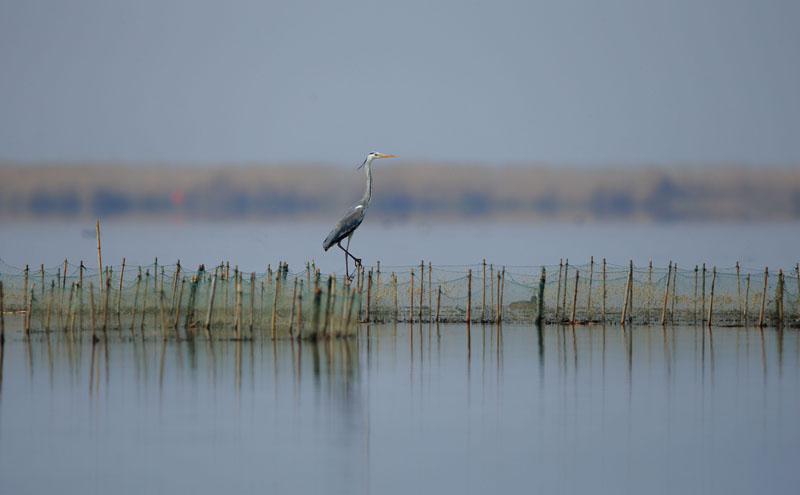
(353, 217)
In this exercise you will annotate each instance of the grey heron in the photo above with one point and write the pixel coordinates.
(353, 217)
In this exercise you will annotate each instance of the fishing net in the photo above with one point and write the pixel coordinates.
(168, 299)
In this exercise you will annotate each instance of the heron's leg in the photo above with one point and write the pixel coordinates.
(346, 260)
(357, 260)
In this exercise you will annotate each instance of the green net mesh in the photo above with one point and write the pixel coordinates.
(160, 299)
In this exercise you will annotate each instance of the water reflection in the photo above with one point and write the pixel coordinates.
(406, 408)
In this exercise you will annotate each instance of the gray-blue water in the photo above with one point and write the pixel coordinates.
(406, 410)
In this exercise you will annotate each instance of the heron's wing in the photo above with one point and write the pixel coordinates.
(345, 226)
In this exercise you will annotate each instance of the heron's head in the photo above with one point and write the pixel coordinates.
(373, 156)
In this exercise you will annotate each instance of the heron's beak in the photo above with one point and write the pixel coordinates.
(381, 155)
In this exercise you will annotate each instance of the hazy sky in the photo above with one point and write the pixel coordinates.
(585, 82)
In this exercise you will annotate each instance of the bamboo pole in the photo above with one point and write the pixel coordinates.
(779, 297)
(497, 308)
(502, 291)
(430, 292)
(763, 299)
(99, 258)
(64, 274)
(666, 293)
(144, 299)
(326, 330)
(105, 303)
(574, 298)
(411, 293)
(161, 304)
(25, 293)
(210, 301)
(253, 301)
(491, 292)
(438, 303)
(300, 310)
(369, 295)
(291, 315)
(694, 299)
(738, 294)
(711, 300)
(564, 297)
(178, 304)
(540, 309)
(649, 291)
(135, 299)
(746, 296)
(28, 316)
(674, 288)
(630, 290)
(703, 295)
(421, 288)
(603, 316)
(394, 290)
(189, 319)
(69, 306)
(41, 275)
(797, 277)
(237, 303)
(91, 309)
(627, 292)
(483, 294)
(469, 295)
(119, 293)
(175, 279)
(275, 304)
(589, 294)
(49, 305)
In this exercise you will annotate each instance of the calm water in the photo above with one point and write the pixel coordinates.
(253, 245)
(406, 410)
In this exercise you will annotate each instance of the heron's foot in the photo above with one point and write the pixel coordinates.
(358, 261)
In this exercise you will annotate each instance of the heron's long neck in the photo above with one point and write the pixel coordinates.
(368, 192)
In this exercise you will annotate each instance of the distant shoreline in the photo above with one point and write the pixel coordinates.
(402, 192)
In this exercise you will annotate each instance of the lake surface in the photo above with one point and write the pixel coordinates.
(253, 245)
(404, 409)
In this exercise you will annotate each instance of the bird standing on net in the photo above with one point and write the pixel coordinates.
(353, 217)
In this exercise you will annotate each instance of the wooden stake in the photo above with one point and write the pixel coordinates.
(603, 317)
(625, 298)
(738, 293)
(105, 303)
(421, 288)
(469, 295)
(746, 296)
(589, 295)
(119, 294)
(144, 299)
(369, 294)
(694, 299)
(438, 303)
(411, 293)
(394, 290)
(564, 298)
(497, 308)
(275, 304)
(666, 293)
(210, 302)
(711, 300)
(674, 288)
(502, 291)
(291, 315)
(25, 293)
(49, 305)
(91, 309)
(300, 311)
(28, 316)
(99, 259)
(540, 309)
(178, 304)
(763, 299)
(430, 292)
(558, 289)
(574, 297)
(483, 294)
(778, 297)
(69, 306)
(703, 295)
(649, 291)
(135, 299)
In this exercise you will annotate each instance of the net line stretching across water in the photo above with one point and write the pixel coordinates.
(165, 299)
